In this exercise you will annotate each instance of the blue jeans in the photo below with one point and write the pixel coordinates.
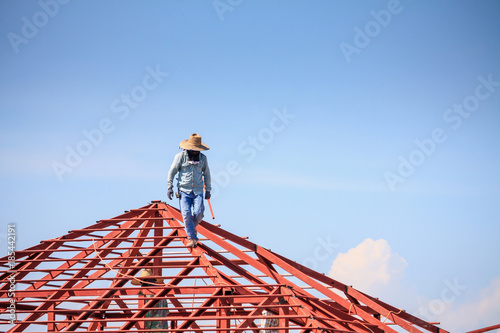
(192, 209)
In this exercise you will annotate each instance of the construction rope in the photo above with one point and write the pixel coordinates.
(358, 320)
(389, 313)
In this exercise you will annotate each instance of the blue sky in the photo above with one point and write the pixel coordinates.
(336, 128)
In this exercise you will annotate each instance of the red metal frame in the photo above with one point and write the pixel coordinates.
(82, 282)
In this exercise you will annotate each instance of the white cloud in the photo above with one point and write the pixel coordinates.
(482, 311)
(371, 267)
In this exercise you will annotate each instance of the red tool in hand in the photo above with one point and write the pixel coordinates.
(208, 199)
(211, 211)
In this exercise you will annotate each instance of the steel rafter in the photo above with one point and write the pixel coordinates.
(82, 281)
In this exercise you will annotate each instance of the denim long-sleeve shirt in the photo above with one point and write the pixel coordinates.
(191, 176)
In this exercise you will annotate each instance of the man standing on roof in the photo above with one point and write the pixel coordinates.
(194, 176)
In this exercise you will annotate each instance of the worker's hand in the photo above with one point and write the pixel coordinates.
(170, 194)
(207, 195)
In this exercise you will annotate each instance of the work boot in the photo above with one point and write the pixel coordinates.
(192, 243)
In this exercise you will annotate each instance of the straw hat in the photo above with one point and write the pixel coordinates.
(145, 273)
(193, 143)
